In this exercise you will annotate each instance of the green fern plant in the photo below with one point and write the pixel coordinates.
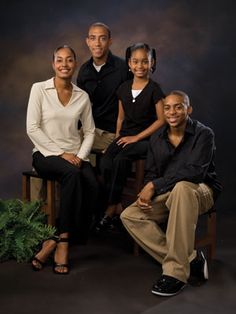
(22, 228)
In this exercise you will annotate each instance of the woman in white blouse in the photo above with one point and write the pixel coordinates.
(55, 109)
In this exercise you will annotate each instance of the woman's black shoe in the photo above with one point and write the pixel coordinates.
(38, 264)
(61, 268)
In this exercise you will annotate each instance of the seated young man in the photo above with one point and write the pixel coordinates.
(180, 184)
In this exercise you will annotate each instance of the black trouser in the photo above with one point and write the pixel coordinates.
(115, 166)
(78, 191)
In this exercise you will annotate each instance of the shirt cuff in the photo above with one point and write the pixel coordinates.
(159, 185)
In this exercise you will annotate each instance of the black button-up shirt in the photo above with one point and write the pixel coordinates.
(101, 87)
(192, 160)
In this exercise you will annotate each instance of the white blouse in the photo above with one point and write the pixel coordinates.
(53, 128)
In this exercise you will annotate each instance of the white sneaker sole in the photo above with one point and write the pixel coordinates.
(162, 294)
(205, 267)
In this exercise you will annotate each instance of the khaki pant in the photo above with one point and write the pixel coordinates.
(174, 249)
(102, 140)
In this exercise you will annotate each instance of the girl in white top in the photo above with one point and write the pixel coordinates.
(54, 110)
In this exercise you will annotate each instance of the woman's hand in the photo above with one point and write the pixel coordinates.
(72, 158)
(127, 140)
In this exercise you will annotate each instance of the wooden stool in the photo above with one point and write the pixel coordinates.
(130, 193)
(137, 180)
(49, 185)
(134, 183)
(139, 175)
(208, 240)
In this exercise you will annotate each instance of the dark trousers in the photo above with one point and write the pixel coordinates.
(116, 164)
(78, 192)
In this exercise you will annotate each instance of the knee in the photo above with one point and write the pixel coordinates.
(183, 197)
(119, 159)
(182, 187)
(72, 172)
(105, 163)
(123, 215)
(129, 213)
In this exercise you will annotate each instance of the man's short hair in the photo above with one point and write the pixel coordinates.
(99, 24)
(183, 95)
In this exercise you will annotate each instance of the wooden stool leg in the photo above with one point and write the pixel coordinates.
(136, 249)
(25, 188)
(209, 240)
(211, 230)
(49, 197)
(139, 176)
(51, 202)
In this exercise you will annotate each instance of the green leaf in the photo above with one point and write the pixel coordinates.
(22, 228)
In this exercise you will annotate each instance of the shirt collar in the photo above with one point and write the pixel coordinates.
(109, 60)
(49, 84)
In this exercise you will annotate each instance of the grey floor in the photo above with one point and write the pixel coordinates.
(106, 278)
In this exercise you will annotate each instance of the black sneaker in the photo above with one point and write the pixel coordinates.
(198, 268)
(167, 286)
(105, 224)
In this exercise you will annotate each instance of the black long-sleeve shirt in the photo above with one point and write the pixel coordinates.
(101, 87)
(192, 160)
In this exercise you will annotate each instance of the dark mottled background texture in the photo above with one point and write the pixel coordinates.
(195, 43)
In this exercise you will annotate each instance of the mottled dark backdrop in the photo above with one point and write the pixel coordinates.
(195, 42)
